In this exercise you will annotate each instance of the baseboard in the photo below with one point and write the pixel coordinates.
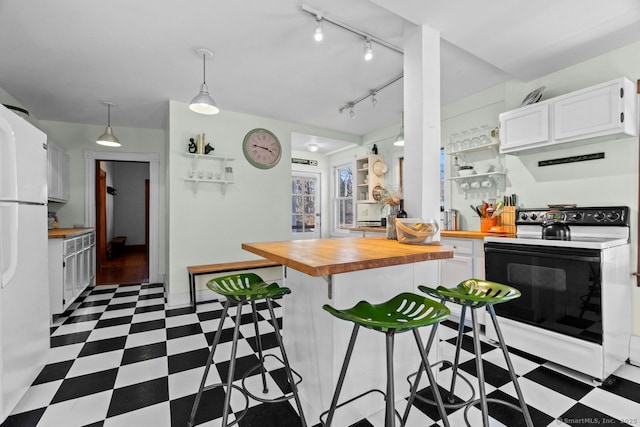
(182, 299)
(634, 351)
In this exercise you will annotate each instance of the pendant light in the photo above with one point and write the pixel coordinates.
(108, 138)
(399, 142)
(203, 103)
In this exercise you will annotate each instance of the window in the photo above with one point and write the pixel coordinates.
(304, 203)
(343, 196)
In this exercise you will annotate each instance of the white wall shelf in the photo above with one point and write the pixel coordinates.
(219, 173)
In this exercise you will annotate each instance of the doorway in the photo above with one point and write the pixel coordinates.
(122, 222)
(305, 205)
(153, 159)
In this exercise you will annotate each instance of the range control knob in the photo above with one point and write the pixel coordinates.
(577, 216)
(533, 217)
(598, 216)
(612, 216)
(523, 216)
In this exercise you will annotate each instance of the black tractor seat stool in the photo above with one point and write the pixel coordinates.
(475, 294)
(404, 312)
(238, 290)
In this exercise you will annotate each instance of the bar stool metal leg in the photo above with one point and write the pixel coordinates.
(232, 365)
(479, 369)
(216, 340)
(414, 386)
(287, 367)
(390, 412)
(254, 313)
(343, 373)
(432, 379)
(456, 358)
(512, 372)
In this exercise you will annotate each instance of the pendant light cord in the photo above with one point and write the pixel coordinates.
(108, 115)
(204, 69)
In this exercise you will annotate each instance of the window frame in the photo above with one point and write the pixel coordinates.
(336, 199)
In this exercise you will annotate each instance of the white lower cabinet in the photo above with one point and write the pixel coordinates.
(71, 269)
(467, 263)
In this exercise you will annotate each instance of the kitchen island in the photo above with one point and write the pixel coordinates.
(341, 272)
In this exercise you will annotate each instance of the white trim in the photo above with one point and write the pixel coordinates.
(634, 351)
(154, 192)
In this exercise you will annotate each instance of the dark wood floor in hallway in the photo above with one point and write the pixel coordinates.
(131, 267)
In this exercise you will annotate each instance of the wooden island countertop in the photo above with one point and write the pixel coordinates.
(323, 257)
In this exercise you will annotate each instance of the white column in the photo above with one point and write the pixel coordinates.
(422, 122)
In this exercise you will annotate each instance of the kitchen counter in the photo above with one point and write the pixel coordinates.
(369, 229)
(341, 272)
(65, 233)
(322, 257)
(468, 234)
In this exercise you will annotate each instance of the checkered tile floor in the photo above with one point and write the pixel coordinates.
(119, 357)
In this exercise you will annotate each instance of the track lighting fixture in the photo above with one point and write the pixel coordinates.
(368, 51)
(349, 105)
(399, 142)
(108, 138)
(203, 103)
(318, 34)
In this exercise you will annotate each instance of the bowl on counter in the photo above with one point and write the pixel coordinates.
(416, 231)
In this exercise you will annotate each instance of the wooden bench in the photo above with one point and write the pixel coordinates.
(116, 247)
(228, 267)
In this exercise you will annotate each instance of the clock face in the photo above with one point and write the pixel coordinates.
(262, 148)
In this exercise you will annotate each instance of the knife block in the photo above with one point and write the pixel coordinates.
(508, 219)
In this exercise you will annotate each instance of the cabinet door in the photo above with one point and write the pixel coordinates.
(53, 172)
(589, 113)
(524, 127)
(63, 173)
(69, 279)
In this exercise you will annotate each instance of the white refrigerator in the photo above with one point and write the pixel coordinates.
(24, 290)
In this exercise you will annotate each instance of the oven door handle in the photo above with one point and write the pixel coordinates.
(555, 255)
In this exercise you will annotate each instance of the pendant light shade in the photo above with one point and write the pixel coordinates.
(108, 138)
(399, 142)
(203, 103)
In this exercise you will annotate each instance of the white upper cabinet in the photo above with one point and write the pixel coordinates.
(596, 111)
(607, 110)
(524, 127)
(58, 173)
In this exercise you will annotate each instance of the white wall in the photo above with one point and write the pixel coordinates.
(129, 203)
(207, 227)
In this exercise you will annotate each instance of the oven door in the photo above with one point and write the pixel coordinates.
(560, 287)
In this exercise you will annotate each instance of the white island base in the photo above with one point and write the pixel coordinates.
(316, 341)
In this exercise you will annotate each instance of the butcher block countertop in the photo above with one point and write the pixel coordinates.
(323, 257)
(65, 233)
(467, 234)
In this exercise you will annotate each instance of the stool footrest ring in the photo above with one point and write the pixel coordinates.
(244, 394)
(262, 399)
(492, 400)
(375, 390)
(446, 405)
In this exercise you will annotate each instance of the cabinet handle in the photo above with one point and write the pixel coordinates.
(621, 92)
(622, 117)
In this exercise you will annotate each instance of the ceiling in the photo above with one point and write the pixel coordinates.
(61, 59)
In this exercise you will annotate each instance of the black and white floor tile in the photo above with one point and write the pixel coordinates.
(120, 357)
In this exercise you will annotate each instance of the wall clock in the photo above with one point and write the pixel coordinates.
(262, 148)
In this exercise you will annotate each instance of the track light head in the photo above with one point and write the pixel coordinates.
(368, 51)
(318, 35)
(352, 113)
(374, 100)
